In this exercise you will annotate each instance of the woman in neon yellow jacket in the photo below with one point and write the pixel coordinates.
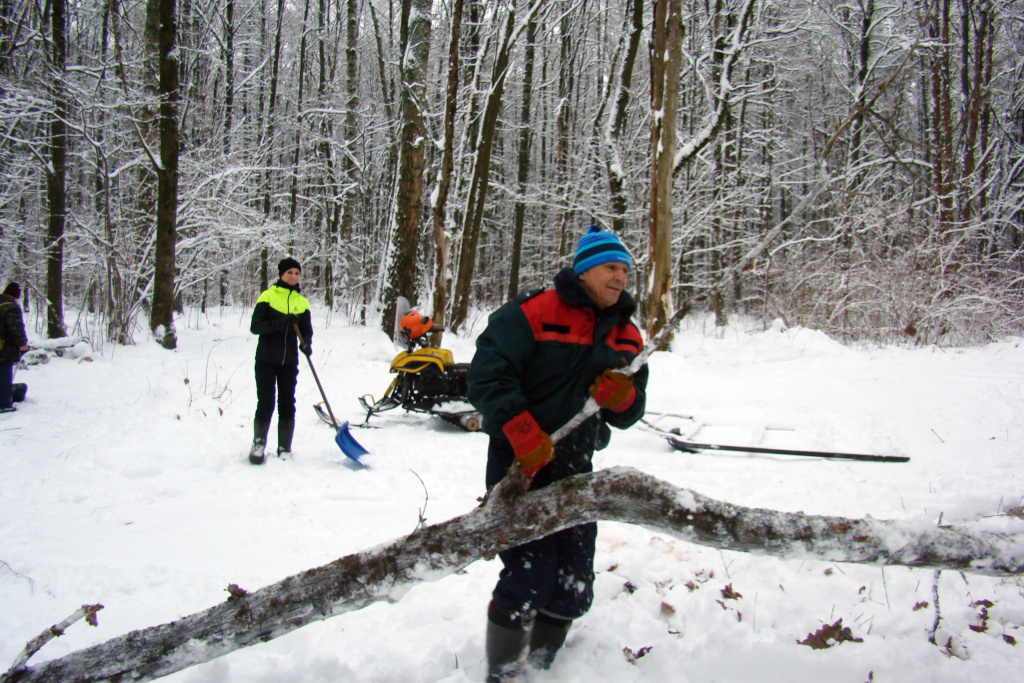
(278, 311)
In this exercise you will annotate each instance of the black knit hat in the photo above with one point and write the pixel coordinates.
(13, 290)
(287, 264)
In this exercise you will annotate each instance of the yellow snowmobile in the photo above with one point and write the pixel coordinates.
(428, 378)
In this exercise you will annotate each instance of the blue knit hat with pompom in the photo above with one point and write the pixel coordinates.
(599, 246)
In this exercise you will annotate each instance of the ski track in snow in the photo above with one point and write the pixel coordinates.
(124, 481)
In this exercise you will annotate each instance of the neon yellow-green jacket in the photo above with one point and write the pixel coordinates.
(278, 343)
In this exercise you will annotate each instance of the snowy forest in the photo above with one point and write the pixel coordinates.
(164, 154)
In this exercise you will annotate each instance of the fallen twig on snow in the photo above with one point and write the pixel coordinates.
(87, 612)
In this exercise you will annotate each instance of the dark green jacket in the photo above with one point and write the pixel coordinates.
(278, 343)
(541, 352)
(12, 330)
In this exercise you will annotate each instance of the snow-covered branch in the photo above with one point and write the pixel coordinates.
(511, 517)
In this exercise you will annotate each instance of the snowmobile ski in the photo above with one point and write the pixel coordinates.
(468, 420)
(681, 444)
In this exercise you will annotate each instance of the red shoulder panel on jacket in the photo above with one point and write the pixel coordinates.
(551, 319)
(625, 337)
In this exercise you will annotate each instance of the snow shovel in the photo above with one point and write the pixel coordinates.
(346, 442)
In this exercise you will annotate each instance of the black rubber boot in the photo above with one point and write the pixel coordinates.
(285, 430)
(506, 648)
(259, 441)
(546, 639)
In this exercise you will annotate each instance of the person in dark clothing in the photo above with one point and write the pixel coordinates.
(542, 355)
(278, 310)
(14, 340)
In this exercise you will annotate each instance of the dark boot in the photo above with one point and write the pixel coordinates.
(546, 639)
(505, 650)
(259, 441)
(285, 429)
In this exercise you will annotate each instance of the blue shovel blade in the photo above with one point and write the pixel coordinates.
(348, 444)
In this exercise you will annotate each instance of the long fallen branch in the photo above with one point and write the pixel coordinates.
(510, 517)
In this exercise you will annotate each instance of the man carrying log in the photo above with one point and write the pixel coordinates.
(542, 355)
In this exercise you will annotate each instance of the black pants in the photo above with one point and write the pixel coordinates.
(554, 574)
(282, 378)
(6, 386)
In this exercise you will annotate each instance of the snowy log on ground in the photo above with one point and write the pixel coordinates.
(509, 518)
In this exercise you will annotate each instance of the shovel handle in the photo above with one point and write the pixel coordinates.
(318, 385)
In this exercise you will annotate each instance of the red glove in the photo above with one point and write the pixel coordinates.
(613, 390)
(531, 444)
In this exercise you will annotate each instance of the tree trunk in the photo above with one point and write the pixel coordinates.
(617, 121)
(666, 42)
(508, 518)
(975, 103)
(294, 199)
(229, 72)
(942, 121)
(566, 78)
(162, 315)
(519, 214)
(55, 176)
(349, 167)
(477, 199)
(401, 274)
(271, 106)
(442, 240)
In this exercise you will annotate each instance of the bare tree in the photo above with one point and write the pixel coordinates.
(401, 273)
(666, 58)
(523, 162)
(442, 238)
(617, 118)
(476, 201)
(56, 175)
(162, 315)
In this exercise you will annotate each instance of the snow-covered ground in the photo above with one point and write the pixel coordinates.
(124, 481)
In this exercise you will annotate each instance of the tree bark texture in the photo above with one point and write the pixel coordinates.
(477, 200)
(617, 121)
(523, 161)
(401, 274)
(666, 58)
(55, 176)
(509, 517)
(162, 315)
(442, 240)
(942, 109)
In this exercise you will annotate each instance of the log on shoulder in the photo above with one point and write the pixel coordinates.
(507, 518)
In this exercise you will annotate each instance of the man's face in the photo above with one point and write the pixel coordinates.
(604, 283)
(290, 277)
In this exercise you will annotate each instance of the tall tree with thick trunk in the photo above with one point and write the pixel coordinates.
(162, 316)
(401, 274)
(942, 114)
(55, 174)
(666, 58)
(442, 240)
(523, 164)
